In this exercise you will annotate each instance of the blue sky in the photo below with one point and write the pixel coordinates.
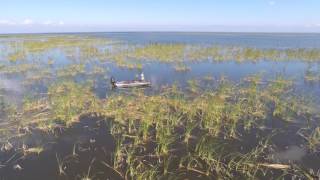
(159, 15)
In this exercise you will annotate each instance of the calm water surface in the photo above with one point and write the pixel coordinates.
(258, 40)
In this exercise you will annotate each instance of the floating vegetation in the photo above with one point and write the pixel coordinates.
(90, 48)
(182, 68)
(312, 76)
(186, 52)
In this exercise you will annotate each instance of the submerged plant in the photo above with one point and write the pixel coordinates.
(61, 166)
(313, 138)
(88, 175)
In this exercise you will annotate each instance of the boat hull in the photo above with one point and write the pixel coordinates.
(125, 84)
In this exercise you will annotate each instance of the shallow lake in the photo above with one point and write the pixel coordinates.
(29, 70)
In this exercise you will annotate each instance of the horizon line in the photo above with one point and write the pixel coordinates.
(159, 31)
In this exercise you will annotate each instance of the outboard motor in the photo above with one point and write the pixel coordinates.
(113, 81)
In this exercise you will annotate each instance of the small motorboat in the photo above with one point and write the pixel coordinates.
(130, 84)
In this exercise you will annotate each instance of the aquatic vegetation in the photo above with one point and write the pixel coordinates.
(210, 128)
(186, 52)
(193, 85)
(34, 150)
(71, 70)
(88, 175)
(161, 52)
(124, 64)
(312, 76)
(208, 78)
(20, 69)
(13, 58)
(87, 49)
(69, 100)
(51, 42)
(182, 68)
(312, 138)
(227, 114)
(61, 166)
(198, 130)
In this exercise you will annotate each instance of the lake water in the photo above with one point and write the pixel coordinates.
(162, 74)
(258, 40)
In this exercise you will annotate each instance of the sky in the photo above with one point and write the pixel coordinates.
(32, 16)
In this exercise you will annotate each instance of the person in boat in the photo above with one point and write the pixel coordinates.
(137, 82)
(136, 77)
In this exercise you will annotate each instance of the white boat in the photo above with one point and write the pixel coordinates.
(130, 84)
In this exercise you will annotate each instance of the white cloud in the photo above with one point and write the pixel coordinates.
(271, 3)
(7, 22)
(53, 23)
(48, 22)
(61, 23)
(27, 22)
(312, 25)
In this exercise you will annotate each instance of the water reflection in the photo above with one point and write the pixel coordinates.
(289, 155)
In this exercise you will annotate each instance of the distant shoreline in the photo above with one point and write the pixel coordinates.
(159, 32)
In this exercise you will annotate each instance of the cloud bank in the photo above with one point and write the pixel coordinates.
(29, 22)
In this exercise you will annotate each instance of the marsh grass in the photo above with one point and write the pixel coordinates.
(197, 130)
(132, 56)
(61, 166)
(187, 52)
(191, 132)
(313, 138)
(312, 76)
(181, 68)
(68, 100)
(88, 175)
(34, 150)
(221, 113)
